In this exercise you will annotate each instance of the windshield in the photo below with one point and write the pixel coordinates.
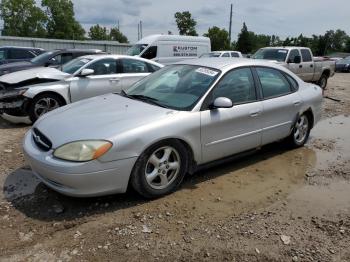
(136, 49)
(74, 65)
(210, 55)
(271, 54)
(177, 87)
(41, 59)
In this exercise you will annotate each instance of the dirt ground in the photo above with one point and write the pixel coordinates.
(274, 205)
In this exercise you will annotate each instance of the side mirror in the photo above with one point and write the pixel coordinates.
(297, 59)
(86, 72)
(221, 102)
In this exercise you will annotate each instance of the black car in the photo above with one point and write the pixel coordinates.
(54, 58)
(343, 65)
(10, 54)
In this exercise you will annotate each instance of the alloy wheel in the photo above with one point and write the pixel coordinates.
(301, 129)
(45, 105)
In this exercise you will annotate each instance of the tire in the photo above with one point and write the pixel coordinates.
(322, 82)
(42, 104)
(154, 174)
(300, 132)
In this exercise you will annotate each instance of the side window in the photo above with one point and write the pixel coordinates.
(305, 53)
(226, 55)
(293, 53)
(292, 81)
(152, 68)
(150, 53)
(20, 54)
(273, 83)
(56, 60)
(134, 66)
(104, 67)
(234, 54)
(238, 85)
(66, 58)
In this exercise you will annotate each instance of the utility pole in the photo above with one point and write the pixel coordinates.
(118, 25)
(230, 27)
(141, 29)
(138, 31)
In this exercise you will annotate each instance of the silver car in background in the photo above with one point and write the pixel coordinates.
(169, 123)
(40, 90)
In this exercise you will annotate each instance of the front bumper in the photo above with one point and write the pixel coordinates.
(13, 105)
(83, 179)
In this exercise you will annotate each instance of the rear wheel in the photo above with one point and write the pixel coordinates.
(323, 81)
(300, 132)
(42, 104)
(160, 169)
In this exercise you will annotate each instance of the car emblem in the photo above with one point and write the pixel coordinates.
(39, 141)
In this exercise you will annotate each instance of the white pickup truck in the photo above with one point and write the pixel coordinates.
(300, 61)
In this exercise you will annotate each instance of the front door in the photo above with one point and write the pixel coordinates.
(227, 131)
(105, 80)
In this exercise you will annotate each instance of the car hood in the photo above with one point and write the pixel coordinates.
(101, 117)
(34, 73)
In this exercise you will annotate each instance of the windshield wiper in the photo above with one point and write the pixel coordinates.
(147, 99)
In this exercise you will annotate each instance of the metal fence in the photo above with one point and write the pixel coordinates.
(50, 44)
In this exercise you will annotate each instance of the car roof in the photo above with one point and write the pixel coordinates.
(222, 63)
(93, 51)
(285, 47)
(21, 47)
(119, 56)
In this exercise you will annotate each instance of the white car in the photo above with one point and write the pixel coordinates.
(37, 91)
(236, 54)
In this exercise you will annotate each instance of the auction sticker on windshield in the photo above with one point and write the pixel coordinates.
(206, 71)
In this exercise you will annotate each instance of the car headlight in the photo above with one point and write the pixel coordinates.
(81, 151)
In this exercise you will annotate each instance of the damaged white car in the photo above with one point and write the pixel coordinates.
(37, 91)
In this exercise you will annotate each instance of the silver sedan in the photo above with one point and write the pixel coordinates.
(168, 124)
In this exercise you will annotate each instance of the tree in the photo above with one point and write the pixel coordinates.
(61, 21)
(185, 23)
(116, 35)
(22, 18)
(219, 38)
(244, 41)
(98, 32)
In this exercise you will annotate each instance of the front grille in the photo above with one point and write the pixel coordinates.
(41, 140)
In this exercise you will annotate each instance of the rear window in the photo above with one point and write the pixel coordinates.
(306, 55)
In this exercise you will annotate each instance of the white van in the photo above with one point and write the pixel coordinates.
(167, 49)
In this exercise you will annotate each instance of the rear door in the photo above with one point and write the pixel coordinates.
(132, 70)
(106, 79)
(281, 104)
(227, 131)
(307, 71)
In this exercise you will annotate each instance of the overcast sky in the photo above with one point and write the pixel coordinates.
(280, 17)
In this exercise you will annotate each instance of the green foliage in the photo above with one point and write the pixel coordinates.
(61, 21)
(22, 18)
(98, 32)
(245, 41)
(185, 23)
(116, 35)
(219, 38)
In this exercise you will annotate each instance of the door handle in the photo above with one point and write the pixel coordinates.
(311, 65)
(296, 103)
(114, 80)
(300, 66)
(255, 113)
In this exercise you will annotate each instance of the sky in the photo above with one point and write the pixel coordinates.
(280, 17)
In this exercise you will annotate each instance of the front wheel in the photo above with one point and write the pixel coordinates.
(42, 104)
(300, 132)
(160, 169)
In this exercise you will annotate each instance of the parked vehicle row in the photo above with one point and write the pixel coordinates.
(300, 61)
(10, 54)
(37, 91)
(55, 58)
(168, 124)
